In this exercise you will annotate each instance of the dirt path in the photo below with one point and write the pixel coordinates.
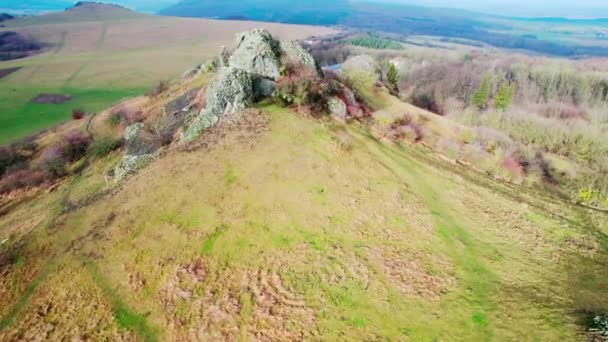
(50, 57)
(98, 46)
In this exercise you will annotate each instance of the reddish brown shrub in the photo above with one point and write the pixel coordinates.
(52, 162)
(75, 145)
(513, 166)
(78, 114)
(405, 127)
(21, 179)
(561, 111)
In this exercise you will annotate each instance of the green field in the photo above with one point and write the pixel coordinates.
(100, 56)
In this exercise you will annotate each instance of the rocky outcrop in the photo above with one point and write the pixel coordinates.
(250, 75)
(337, 108)
(257, 53)
(292, 52)
(141, 149)
(231, 90)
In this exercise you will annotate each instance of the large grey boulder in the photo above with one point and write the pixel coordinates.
(338, 108)
(257, 53)
(251, 75)
(230, 92)
(293, 52)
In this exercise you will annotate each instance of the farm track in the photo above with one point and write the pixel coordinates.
(49, 58)
(98, 46)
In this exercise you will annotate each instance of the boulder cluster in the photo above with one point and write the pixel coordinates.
(248, 75)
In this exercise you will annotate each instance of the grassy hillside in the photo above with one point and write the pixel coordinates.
(101, 54)
(285, 227)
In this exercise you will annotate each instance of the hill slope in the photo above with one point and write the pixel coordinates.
(277, 225)
(286, 227)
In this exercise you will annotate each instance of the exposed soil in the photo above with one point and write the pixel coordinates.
(7, 71)
(51, 98)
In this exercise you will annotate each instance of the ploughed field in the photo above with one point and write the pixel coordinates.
(281, 227)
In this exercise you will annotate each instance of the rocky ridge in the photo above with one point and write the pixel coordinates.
(250, 74)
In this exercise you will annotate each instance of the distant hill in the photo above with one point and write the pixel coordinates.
(81, 11)
(509, 33)
(5, 16)
(318, 12)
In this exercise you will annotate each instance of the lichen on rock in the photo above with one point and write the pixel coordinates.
(251, 75)
(229, 92)
(337, 108)
(141, 149)
(257, 53)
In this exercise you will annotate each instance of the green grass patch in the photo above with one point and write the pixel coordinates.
(208, 244)
(125, 317)
(20, 118)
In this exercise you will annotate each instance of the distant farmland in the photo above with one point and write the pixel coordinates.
(98, 62)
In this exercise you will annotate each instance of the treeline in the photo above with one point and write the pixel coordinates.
(374, 42)
(435, 86)
(14, 46)
(550, 106)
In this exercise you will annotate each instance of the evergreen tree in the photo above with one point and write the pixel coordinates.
(481, 96)
(504, 98)
(392, 76)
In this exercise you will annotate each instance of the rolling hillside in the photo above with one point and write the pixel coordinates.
(287, 227)
(99, 54)
(277, 222)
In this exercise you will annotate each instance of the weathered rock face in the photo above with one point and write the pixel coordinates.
(292, 52)
(338, 108)
(257, 53)
(140, 141)
(231, 91)
(251, 75)
(362, 64)
(141, 149)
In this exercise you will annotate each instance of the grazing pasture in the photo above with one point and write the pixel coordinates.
(99, 59)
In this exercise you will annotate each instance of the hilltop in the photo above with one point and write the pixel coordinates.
(256, 198)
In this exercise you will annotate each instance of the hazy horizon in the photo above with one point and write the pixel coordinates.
(518, 8)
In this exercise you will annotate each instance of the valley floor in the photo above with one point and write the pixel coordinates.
(281, 227)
